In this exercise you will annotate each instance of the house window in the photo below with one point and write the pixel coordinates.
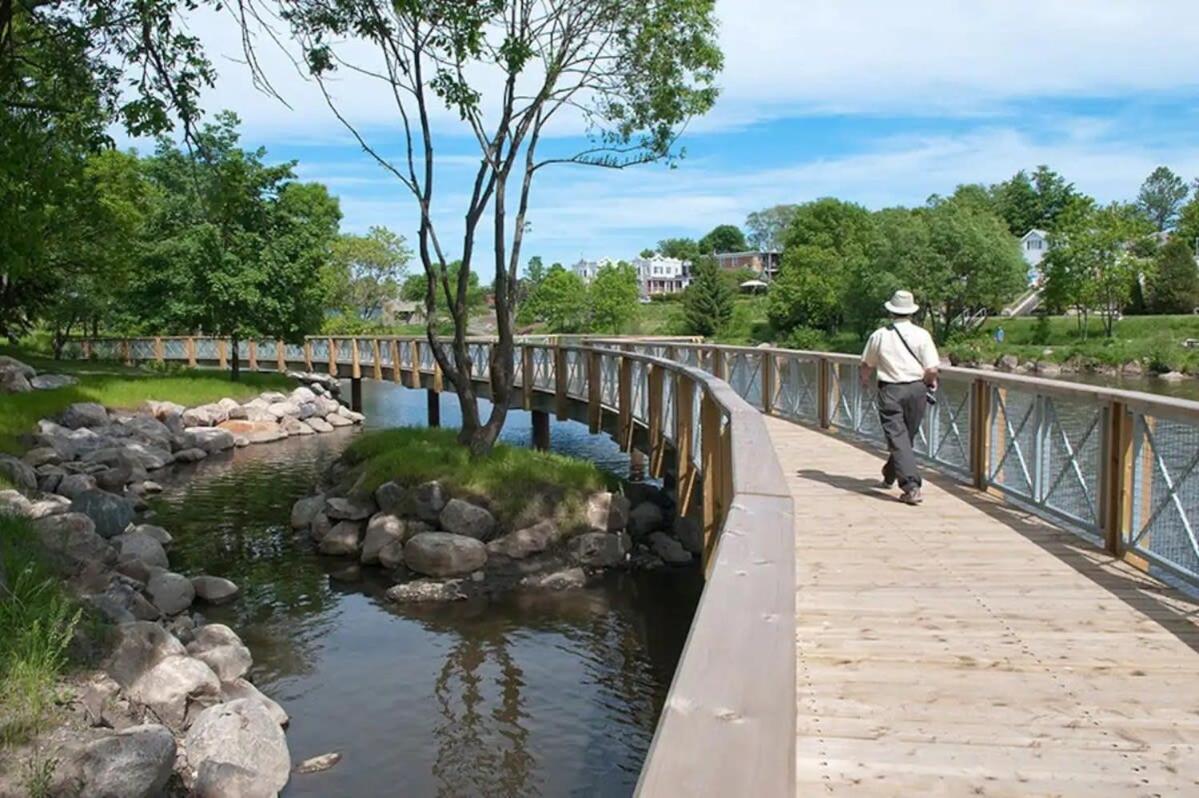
(1034, 243)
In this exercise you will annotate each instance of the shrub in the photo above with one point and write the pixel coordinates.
(807, 339)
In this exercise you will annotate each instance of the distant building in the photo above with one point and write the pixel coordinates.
(587, 269)
(400, 311)
(764, 264)
(659, 274)
(1034, 245)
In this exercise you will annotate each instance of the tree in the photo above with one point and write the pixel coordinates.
(766, 227)
(682, 248)
(561, 302)
(368, 270)
(1161, 197)
(1026, 203)
(723, 238)
(708, 301)
(1174, 287)
(613, 297)
(635, 72)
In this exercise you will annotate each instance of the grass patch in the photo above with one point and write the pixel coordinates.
(518, 485)
(37, 623)
(118, 386)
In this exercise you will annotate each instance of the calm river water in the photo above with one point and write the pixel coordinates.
(546, 694)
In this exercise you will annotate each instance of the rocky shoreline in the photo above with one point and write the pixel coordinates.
(1013, 364)
(171, 709)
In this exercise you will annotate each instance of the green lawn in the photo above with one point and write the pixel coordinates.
(119, 386)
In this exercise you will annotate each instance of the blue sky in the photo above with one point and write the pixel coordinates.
(868, 100)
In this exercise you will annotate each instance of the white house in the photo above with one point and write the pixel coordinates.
(587, 269)
(661, 275)
(1034, 245)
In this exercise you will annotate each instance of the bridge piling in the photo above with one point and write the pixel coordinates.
(433, 408)
(356, 394)
(541, 430)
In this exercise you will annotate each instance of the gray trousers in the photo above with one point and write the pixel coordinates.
(901, 409)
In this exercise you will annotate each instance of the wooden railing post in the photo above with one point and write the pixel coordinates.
(253, 357)
(414, 372)
(437, 386)
(711, 460)
(191, 352)
(716, 363)
(625, 404)
(159, 354)
(824, 393)
(355, 361)
(657, 440)
(980, 433)
(87, 349)
(126, 352)
(222, 357)
(561, 376)
(1116, 477)
(280, 356)
(684, 422)
(595, 391)
(378, 360)
(332, 357)
(396, 371)
(307, 355)
(526, 376)
(768, 370)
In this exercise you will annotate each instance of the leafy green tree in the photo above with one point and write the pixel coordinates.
(682, 248)
(766, 227)
(561, 302)
(1174, 287)
(1035, 202)
(368, 270)
(708, 301)
(1161, 196)
(722, 238)
(899, 255)
(613, 298)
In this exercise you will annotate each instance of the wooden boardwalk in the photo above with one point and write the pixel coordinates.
(967, 648)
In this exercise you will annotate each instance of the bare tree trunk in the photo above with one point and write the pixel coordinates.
(235, 363)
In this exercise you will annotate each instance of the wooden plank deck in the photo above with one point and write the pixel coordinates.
(968, 648)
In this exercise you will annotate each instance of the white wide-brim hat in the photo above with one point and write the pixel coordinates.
(902, 303)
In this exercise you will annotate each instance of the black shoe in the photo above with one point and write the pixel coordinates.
(911, 496)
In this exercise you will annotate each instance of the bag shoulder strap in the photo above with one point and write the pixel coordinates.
(904, 341)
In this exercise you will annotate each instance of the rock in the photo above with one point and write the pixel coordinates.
(690, 533)
(143, 547)
(145, 429)
(72, 485)
(162, 410)
(50, 382)
(343, 509)
(211, 439)
(1047, 368)
(1133, 368)
(607, 512)
(427, 502)
(1007, 363)
(182, 626)
(444, 554)
(214, 589)
(84, 414)
(20, 474)
(73, 536)
(320, 527)
(205, 416)
(382, 529)
(463, 518)
(318, 764)
(294, 426)
(305, 510)
(281, 410)
(645, 518)
(669, 549)
(334, 420)
(12, 382)
(302, 395)
(170, 592)
(241, 689)
(11, 364)
(319, 424)
(48, 505)
(524, 542)
(342, 539)
(390, 498)
(14, 503)
(136, 762)
(109, 512)
(1172, 376)
(420, 590)
(156, 532)
(139, 647)
(111, 609)
(49, 478)
(391, 555)
(565, 579)
(217, 646)
(175, 688)
(192, 455)
(255, 431)
(237, 749)
(351, 572)
(598, 549)
(42, 455)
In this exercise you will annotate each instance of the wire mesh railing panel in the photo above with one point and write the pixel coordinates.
(142, 349)
(426, 357)
(640, 392)
(344, 351)
(697, 397)
(386, 354)
(1014, 421)
(366, 352)
(1069, 470)
(543, 368)
(576, 376)
(946, 429)
(744, 372)
(669, 381)
(264, 350)
(294, 353)
(1165, 493)
(176, 349)
(480, 361)
(610, 383)
(320, 351)
(796, 389)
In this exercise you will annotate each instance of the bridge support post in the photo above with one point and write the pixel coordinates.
(824, 389)
(356, 394)
(541, 430)
(433, 408)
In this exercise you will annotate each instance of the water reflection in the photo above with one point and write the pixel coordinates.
(531, 694)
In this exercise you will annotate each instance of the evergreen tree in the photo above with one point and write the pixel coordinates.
(1175, 285)
(708, 301)
(1162, 194)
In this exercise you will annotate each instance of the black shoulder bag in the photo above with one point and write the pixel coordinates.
(930, 394)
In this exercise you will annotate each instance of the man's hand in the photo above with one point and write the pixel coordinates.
(864, 373)
(930, 378)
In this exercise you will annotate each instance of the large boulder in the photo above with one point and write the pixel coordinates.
(255, 431)
(565, 579)
(205, 416)
(156, 532)
(143, 547)
(390, 498)
(217, 646)
(598, 549)
(607, 512)
(240, 688)
(210, 439)
(11, 365)
(72, 485)
(162, 410)
(72, 536)
(175, 688)
(646, 518)
(237, 749)
(391, 555)
(20, 474)
(170, 592)
(190, 455)
(14, 502)
(145, 429)
(136, 762)
(426, 590)
(670, 550)
(214, 589)
(319, 527)
(444, 554)
(303, 395)
(48, 505)
(42, 456)
(464, 518)
(12, 382)
(139, 647)
(285, 409)
(343, 539)
(525, 542)
(334, 420)
(690, 533)
(294, 426)
(427, 501)
(319, 424)
(50, 382)
(382, 529)
(306, 509)
(344, 509)
(84, 414)
(111, 513)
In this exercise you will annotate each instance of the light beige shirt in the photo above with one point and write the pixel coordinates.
(885, 352)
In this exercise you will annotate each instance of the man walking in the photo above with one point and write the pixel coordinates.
(906, 360)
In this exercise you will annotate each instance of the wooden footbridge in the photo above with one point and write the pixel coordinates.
(1031, 630)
